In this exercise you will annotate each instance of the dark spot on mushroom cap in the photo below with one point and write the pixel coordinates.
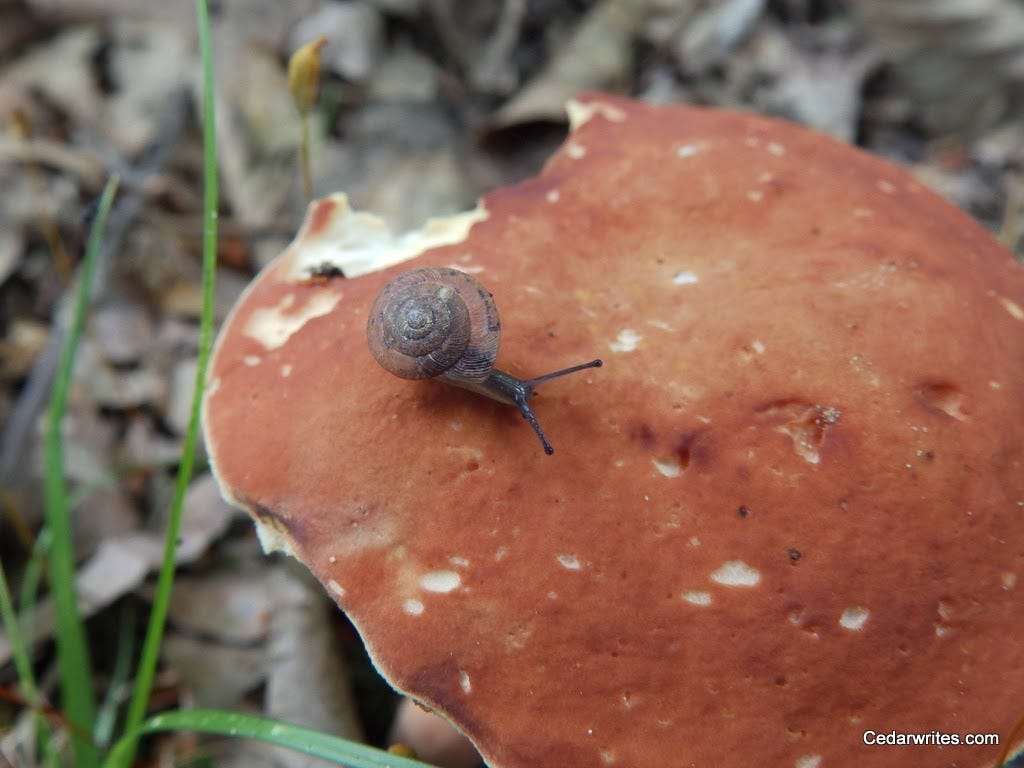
(643, 434)
(694, 447)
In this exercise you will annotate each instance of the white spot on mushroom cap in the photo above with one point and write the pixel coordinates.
(755, 195)
(518, 636)
(885, 186)
(669, 466)
(607, 756)
(413, 607)
(440, 581)
(774, 148)
(286, 370)
(697, 597)
(689, 150)
(569, 562)
(808, 761)
(854, 618)
(1012, 307)
(945, 612)
(335, 588)
(757, 346)
(458, 561)
(252, 360)
(464, 682)
(552, 195)
(575, 151)
(685, 278)
(1008, 579)
(273, 326)
(626, 341)
(736, 573)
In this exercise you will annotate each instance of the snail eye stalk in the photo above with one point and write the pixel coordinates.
(526, 392)
(531, 383)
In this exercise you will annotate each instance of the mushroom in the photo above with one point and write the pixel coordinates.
(784, 521)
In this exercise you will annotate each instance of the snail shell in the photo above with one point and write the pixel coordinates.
(441, 323)
(435, 322)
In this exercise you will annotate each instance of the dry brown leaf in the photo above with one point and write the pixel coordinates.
(257, 132)
(406, 74)
(11, 245)
(128, 112)
(818, 86)
(232, 606)
(404, 160)
(181, 13)
(713, 34)
(957, 57)
(82, 165)
(597, 56)
(21, 347)
(215, 674)
(355, 37)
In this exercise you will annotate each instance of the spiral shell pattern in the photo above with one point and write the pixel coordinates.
(434, 322)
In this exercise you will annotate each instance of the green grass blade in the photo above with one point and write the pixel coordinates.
(77, 696)
(341, 751)
(33, 576)
(161, 600)
(22, 661)
(106, 719)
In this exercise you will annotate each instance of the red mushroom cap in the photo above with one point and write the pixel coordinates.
(788, 511)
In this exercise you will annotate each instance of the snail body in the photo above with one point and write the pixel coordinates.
(441, 323)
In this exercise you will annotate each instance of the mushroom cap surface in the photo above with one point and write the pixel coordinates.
(787, 511)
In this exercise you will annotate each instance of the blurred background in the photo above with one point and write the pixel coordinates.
(424, 105)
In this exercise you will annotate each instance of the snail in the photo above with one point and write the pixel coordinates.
(440, 323)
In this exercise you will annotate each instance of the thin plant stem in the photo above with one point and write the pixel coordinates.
(307, 172)
(161, 600)
(22, 663)
(78, 698)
